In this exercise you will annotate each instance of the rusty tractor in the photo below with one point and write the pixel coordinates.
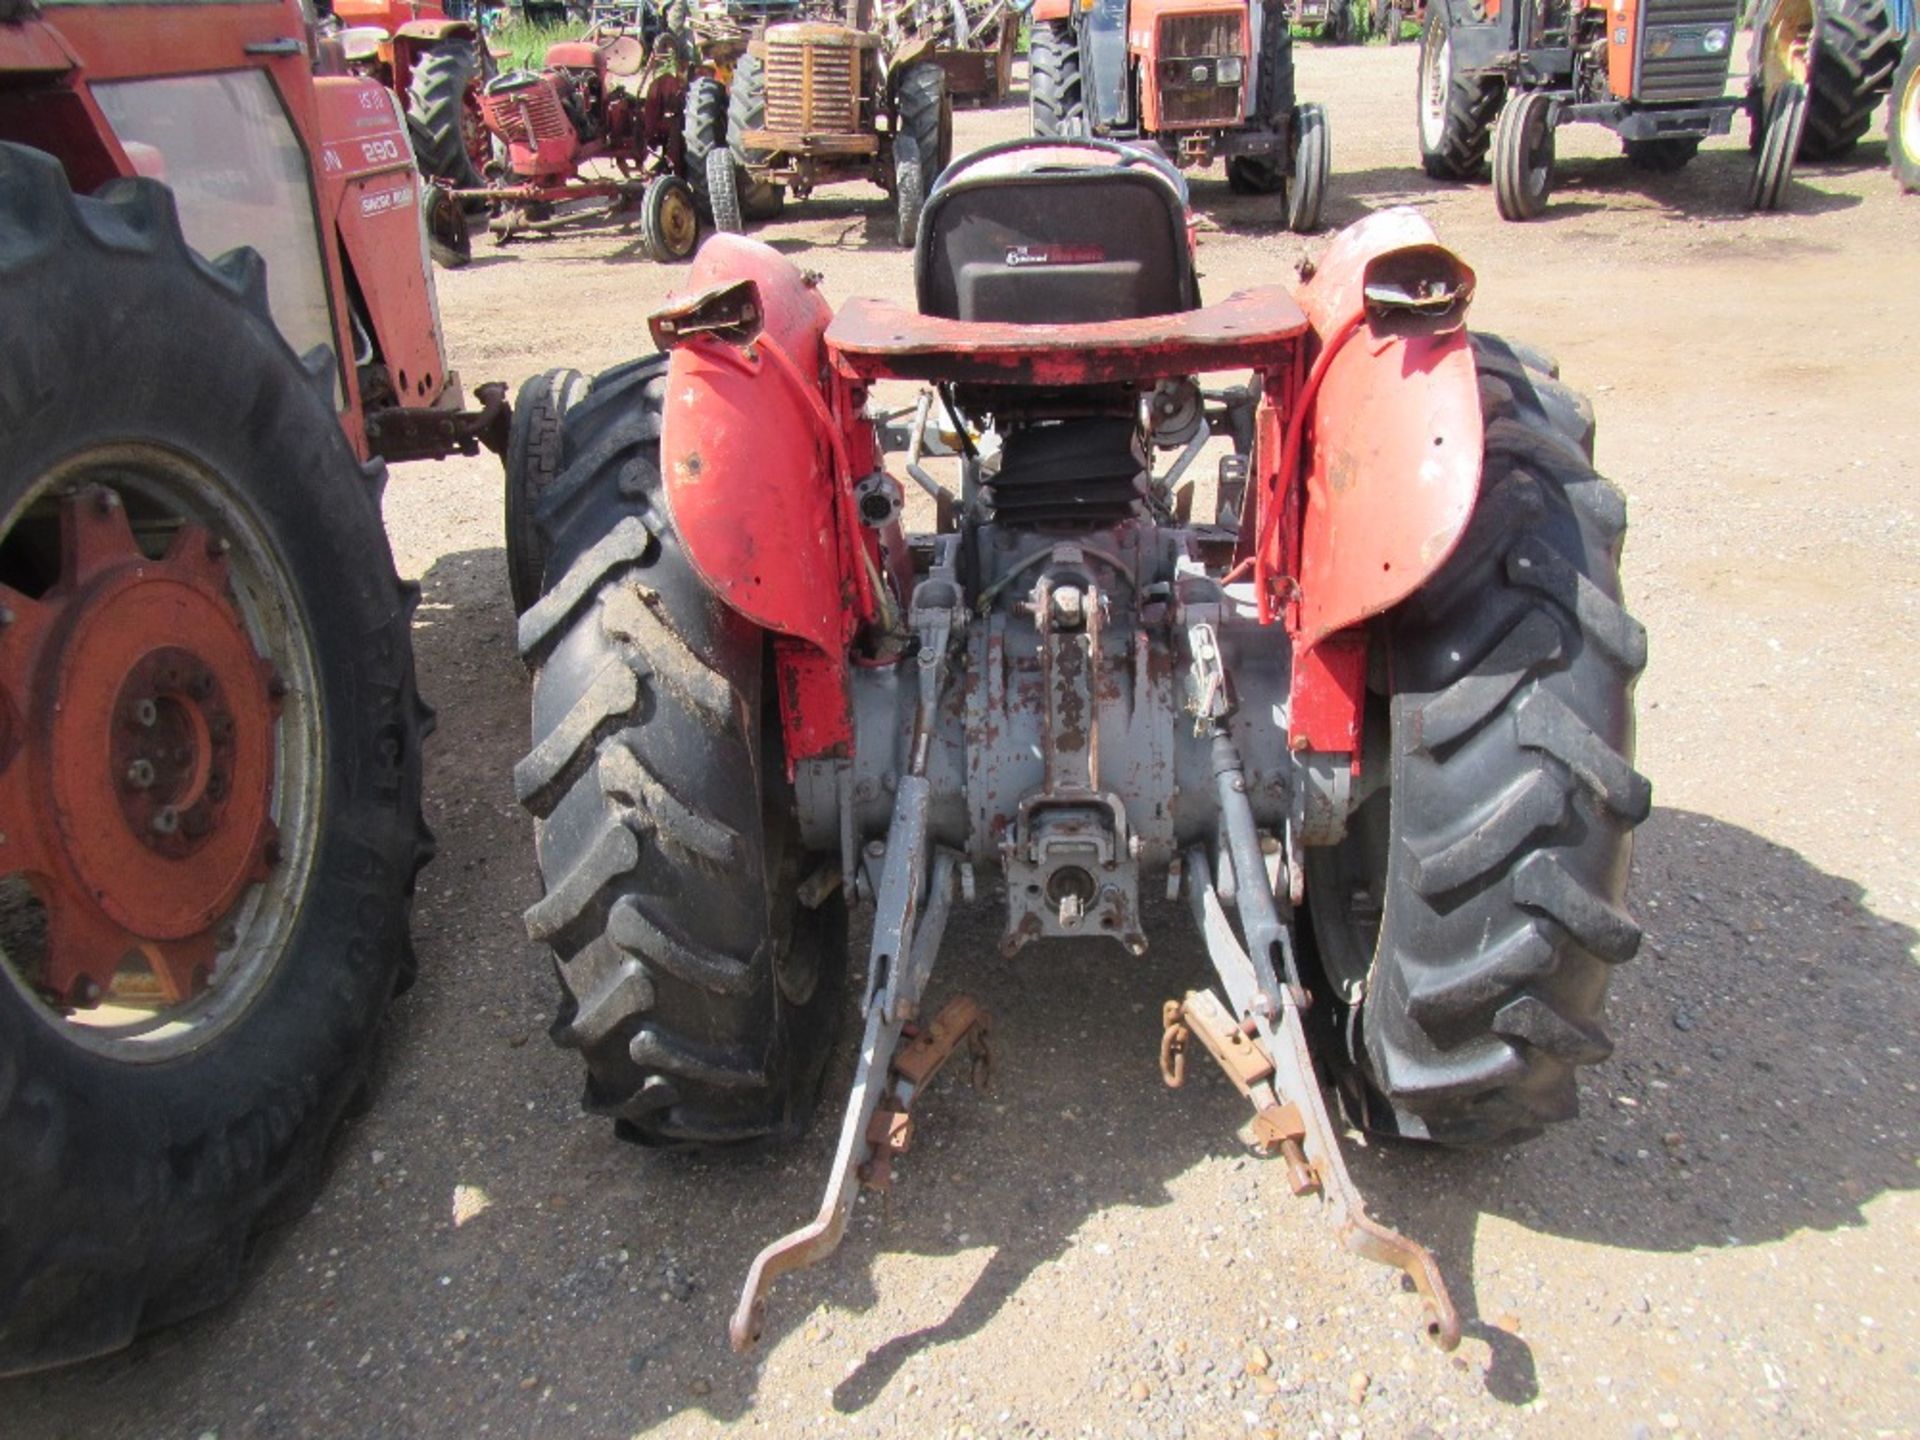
(1364, 709)
(1652, 71)
(818, 102)
(215, 291)
(612, 99)
(1198, 79)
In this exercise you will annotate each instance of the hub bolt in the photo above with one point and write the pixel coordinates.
(276, 687)
(217, 547)
(166, 820)
(140, 774)
(106, 501)
(145, 713)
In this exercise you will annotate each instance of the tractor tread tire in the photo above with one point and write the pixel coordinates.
(747, 110)
(1515, 194)
(668, 906)
(1273, 107)
(1056, 99)
(1513, 793)
(130, 1194)
(1855, 52)
(1312, 163)
(703, 130)
(534, 457)
(926, 117)
(1473, 105)
(436, 101)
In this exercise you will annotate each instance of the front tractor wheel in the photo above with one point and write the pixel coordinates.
(1903, 119)
(1786, 121)
(209, 768)
(669, 219)
(1312, 162)
(1523, 156)
(699, 987)
(1475, 909)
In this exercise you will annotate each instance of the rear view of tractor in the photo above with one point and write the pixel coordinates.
(219, 322)
(1363, 706)
(818, 102)
(1653, 71)
(1202, 80)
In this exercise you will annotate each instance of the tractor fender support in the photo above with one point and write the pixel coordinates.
(1392, 460)
(751, 450)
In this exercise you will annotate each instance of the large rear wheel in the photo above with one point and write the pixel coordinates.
(1470, 919)
(1056, 103)
(210, 772)
(701, 991)
(747, 110)
(1456, 110)
(1855, 49)
(450, 136)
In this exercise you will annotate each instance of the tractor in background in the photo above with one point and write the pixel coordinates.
(1201, 81)
(1365, 709)
(437, 64)
(817, 102)
(1507, 76)
(614, 98)
(214, 287)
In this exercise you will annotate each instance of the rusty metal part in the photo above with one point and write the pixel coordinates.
(404, 433)
(1270, 1058)
(923, 1054)
(139, 735)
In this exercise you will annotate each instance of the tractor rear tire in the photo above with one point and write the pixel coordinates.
(1903, 119)
(1475, 907)
(1455, 111)
(703, 131)
(747, 110)
(1523, 153)
(1056, 101)
(700, 991)
(1312, 162)
(1779, 143)
(136, 1166)
(534, 458)
(1660, 157)
(1856, 47)
(926, 117)
(441, 101)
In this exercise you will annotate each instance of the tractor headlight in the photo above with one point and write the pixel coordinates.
(1715, 40)
(1229, 70)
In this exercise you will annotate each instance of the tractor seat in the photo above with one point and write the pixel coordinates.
(1056, 232)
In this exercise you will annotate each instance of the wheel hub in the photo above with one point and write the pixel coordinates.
(137, 784)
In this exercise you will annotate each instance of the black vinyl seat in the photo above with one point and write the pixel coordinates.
(1056, 232)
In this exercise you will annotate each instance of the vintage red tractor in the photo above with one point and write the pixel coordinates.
(1369, 716)
(609, 100)
(1200, 79)
(219, 321)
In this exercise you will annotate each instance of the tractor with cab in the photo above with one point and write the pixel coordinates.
(221, 326)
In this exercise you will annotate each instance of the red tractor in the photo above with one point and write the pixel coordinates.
(578, 110)
(220, 323)
(1367, 713)
(1200, 79)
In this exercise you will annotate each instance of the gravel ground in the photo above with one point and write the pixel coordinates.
(1724, 1243)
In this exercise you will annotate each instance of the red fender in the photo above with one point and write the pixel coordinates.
(1392, 475)
(747, 456)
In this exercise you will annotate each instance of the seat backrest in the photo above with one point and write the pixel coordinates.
(1056, 232)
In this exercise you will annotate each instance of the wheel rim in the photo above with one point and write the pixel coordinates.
(678, 224)
(160, 764)
(1436, 64)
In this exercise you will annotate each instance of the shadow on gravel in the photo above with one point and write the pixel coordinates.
(1764, 1039)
